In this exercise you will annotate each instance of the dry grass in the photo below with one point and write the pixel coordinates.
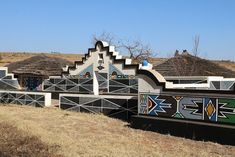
(14, 142)
(227, 64)
(9, 57)
(81, 134)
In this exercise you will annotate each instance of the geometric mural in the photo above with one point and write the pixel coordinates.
(121, 108)
(102, 81)
(222, 85)
(7, 81)
(210, 109)
(23, 98)
(161, 105)
(219, 110)
(226, 112)
(191, 108)
(121, 83)
(82, 83)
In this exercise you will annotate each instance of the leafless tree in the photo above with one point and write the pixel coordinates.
(104, 36)
(135, 49)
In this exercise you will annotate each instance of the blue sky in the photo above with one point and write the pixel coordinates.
(166, 25)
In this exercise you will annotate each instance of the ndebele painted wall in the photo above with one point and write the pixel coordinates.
(159, 98)
(209, 109)
(102, 70)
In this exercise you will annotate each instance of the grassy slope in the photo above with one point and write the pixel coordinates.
(227, 64)
(81, 134)
(14, 142)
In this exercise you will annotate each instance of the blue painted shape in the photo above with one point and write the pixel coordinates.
(156, 105)
(210, 109)
(145, 63)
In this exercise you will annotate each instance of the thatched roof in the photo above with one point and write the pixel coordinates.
(39, 65)
(188, 65)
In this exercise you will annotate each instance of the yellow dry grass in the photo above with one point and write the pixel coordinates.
(10, 57)
(227, 64)
(81, 134)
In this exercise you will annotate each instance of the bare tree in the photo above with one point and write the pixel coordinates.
(135, 49)
(104, 36)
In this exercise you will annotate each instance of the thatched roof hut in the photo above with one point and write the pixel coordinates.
(32, 71)
(39, 65)
(189, 65)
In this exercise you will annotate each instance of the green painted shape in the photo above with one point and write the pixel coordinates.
(230, 103)
(230, 118)
(178, 115)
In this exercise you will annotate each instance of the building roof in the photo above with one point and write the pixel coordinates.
(189, 65)
(39, 65)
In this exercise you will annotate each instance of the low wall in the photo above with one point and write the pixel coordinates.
(211, 108)
(223, 133)
(122, 107)
(36, 99)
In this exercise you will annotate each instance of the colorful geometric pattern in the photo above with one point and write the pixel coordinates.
(157, 105)
(207, 109)
(143, 104)
(226, 111)
(37, 100)
(210, 109)
(113, 107)
(191, 108)
(178, 114)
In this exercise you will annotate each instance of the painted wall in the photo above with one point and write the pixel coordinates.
(7, 81)
(105, 76)
(121, 107)
(36, 99)
(206, 108)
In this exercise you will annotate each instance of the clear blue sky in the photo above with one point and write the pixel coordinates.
(68, 25)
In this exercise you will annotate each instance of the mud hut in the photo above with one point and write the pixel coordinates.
(32, 71)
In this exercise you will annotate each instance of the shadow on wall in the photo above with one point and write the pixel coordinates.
(187, 129)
